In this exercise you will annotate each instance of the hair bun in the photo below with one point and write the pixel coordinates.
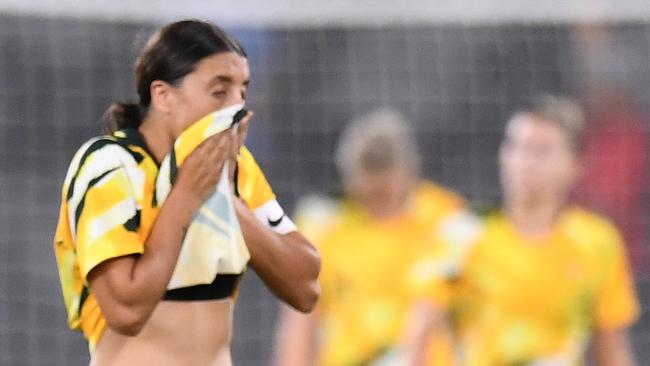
(122, 115)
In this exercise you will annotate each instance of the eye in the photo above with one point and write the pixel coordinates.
(219, 94)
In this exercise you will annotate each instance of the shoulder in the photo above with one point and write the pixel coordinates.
(435, 200)
(582, 220)
(93, 155)
(427, 190)
(96, 158)
(317, 210)
(590, 228)
(119, 146)
(319, 217)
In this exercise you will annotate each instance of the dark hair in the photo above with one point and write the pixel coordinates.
(169, 55)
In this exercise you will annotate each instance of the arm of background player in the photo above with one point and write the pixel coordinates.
(425, 320)
(296, 343)
(612, 348)
(288, 264)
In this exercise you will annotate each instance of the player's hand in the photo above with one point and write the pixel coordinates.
(242, 131)
(240, 138)
(200, 172)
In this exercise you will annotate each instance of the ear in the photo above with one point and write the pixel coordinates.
(162, 96)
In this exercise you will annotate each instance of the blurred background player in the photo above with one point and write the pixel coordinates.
(544, 278)
(368, 241)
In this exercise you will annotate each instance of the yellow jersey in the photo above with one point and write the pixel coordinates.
(521, 301)
(108, 207)
(365, 295)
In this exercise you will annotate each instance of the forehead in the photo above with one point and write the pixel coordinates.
(530, 127)
(226, 64)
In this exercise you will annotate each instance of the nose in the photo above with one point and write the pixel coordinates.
(234, 100)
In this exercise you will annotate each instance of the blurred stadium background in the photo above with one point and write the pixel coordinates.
(454, 68)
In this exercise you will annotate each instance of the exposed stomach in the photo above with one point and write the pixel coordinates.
(178, 333)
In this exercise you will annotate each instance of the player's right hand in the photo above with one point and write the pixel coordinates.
(200, 172)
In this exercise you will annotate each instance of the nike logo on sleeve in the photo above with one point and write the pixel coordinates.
(266, 213)
(275, 223)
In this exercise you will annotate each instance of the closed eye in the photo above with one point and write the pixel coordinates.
(219, 94)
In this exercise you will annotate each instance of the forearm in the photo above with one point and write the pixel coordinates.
(288, 264)
(295, 339)
(612, 348)
(129, 288)
(424, 321)
(153, 269)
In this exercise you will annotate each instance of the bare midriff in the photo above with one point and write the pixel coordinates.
(178, 333)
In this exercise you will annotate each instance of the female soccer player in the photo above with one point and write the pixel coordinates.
(117, 248)
(544, 278)
(389, 218)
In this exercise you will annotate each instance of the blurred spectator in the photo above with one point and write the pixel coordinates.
(544, 277)
(368, 241)
(614, 181)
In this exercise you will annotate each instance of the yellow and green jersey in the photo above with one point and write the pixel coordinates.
(365, 295)
(519, 300)
(108, 207)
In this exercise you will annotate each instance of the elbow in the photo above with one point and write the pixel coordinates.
(307, 301)
(306, 294)
(127, 322)
(311, 291)
(302, 291)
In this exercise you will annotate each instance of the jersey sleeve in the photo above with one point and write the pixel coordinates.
(102, 210)
(254, 189)
(616, 301)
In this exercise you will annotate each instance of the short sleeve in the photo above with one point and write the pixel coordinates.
(252, 185)
(254, 189)
(616, 302)
(103, 212)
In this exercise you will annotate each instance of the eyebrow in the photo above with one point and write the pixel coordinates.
(224, 79)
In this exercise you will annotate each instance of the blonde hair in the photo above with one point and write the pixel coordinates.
(375, 141)
(563, 112)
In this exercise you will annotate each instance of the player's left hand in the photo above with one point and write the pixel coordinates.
(240, 138)
(242, 131)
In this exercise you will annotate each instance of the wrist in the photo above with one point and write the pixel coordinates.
(185, 202)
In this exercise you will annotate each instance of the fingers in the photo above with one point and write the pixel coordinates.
(201, 171)
(214, 141)
(209, 157)
(243, 124)
(222, 151)
(243, 129)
